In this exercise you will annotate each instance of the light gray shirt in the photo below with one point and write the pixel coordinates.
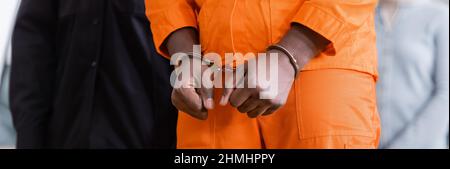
(8, 10)
(413, 88)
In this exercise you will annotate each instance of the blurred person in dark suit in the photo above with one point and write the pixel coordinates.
(85, 75)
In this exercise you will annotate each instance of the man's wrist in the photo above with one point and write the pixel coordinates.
(182, 40)
(303, 43)
(284, 63)
(289, 55)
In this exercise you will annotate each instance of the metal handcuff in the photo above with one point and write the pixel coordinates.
(210, 63)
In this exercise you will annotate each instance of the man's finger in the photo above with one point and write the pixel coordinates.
(249, 105)
(192, 103)
(181, 106)
(207, 96)
(270, 111)
(230, 83)
(226, 96)
(258, 111)
(239, 96)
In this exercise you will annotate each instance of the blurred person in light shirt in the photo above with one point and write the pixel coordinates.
(8, 10)
(413, 89)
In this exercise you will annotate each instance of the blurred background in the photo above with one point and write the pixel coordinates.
(413, 65)
(412, 90)
(8, 9)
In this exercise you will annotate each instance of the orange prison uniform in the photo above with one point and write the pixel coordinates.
(331, 105)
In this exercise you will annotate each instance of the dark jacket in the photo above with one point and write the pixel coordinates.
(85, 74)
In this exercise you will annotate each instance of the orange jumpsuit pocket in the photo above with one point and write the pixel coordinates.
(336, 102)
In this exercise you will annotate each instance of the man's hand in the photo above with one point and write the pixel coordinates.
(191, 100)
(187, 98)
(248, 100)
(304, 44)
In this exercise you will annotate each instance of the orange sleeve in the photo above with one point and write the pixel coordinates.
(167, 16)
(333, 19)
